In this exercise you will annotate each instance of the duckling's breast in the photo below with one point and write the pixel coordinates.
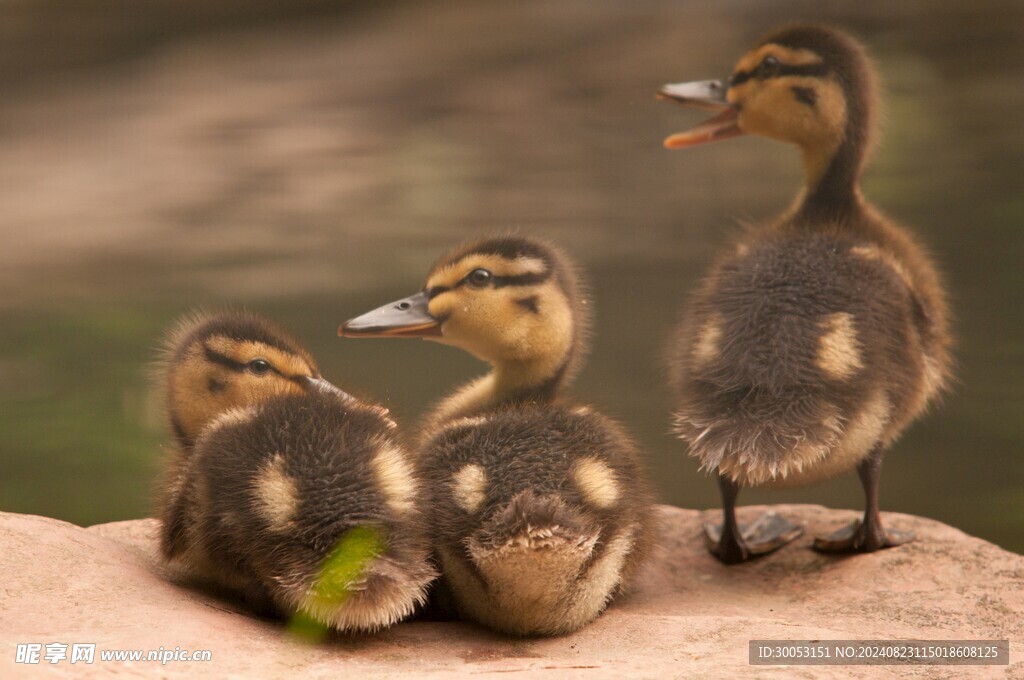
(798, 355)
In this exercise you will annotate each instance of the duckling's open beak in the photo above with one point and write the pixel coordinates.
(702, 94)
(406, 318)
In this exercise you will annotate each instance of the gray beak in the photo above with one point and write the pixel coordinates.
(406, 318)
(702, 94)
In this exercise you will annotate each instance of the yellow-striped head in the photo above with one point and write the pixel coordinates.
(510, 301)
(808, 85)
(230, 361)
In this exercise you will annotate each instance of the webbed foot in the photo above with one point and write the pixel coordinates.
(859, 536)
(766, 534)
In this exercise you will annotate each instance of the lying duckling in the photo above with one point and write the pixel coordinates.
(820, 336)
(541, 508)
(284, 488)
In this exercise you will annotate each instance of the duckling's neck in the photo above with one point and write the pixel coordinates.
(534, 382)
(539, 380)
(831, 183)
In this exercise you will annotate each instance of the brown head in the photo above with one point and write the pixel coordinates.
(215, 364)
(808, 85)
(510, 301)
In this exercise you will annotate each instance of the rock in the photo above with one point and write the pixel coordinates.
(688, 615)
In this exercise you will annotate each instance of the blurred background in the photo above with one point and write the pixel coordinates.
(309, 160)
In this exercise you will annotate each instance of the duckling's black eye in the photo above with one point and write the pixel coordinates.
(769, 67)
(259, 366)
(478, 278)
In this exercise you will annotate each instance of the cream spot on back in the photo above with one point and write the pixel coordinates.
(838, 349)
(706, 348)
(596, 482)
(933, 378)
(472, 421)
(277, 498)
(236, 415)
(866, 428)
(394, 477)
(873, 253)
(469, 487)
(233, 416)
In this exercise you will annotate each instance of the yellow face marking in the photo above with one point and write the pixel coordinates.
(597, 482)
(201, 389)
(394, 476)
(492, 324)
(276, 496)
(768, 107)
(706, 347)
(469, 487)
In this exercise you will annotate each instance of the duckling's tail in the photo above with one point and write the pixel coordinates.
(362, 584)
(756, 437)
(539, 566)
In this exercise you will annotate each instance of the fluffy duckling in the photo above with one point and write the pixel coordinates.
(541, 508)
(284, 488)
(817, 338)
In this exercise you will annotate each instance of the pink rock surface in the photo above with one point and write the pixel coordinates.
(689, 616)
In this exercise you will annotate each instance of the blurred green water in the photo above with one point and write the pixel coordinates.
(313, 172)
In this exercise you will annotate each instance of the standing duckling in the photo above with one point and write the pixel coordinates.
(284, 488)
(817, 338)
(541, 508)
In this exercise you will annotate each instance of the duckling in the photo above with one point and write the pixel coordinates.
(284, 488)
(541, 508)
(817, 338)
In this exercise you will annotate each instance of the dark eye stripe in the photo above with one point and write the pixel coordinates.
(496, 281)
(216, 357)
(437, 290)
(520, 279)
(782, 71)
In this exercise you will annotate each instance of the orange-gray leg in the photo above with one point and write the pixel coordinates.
(866, 535)
(732, 543)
